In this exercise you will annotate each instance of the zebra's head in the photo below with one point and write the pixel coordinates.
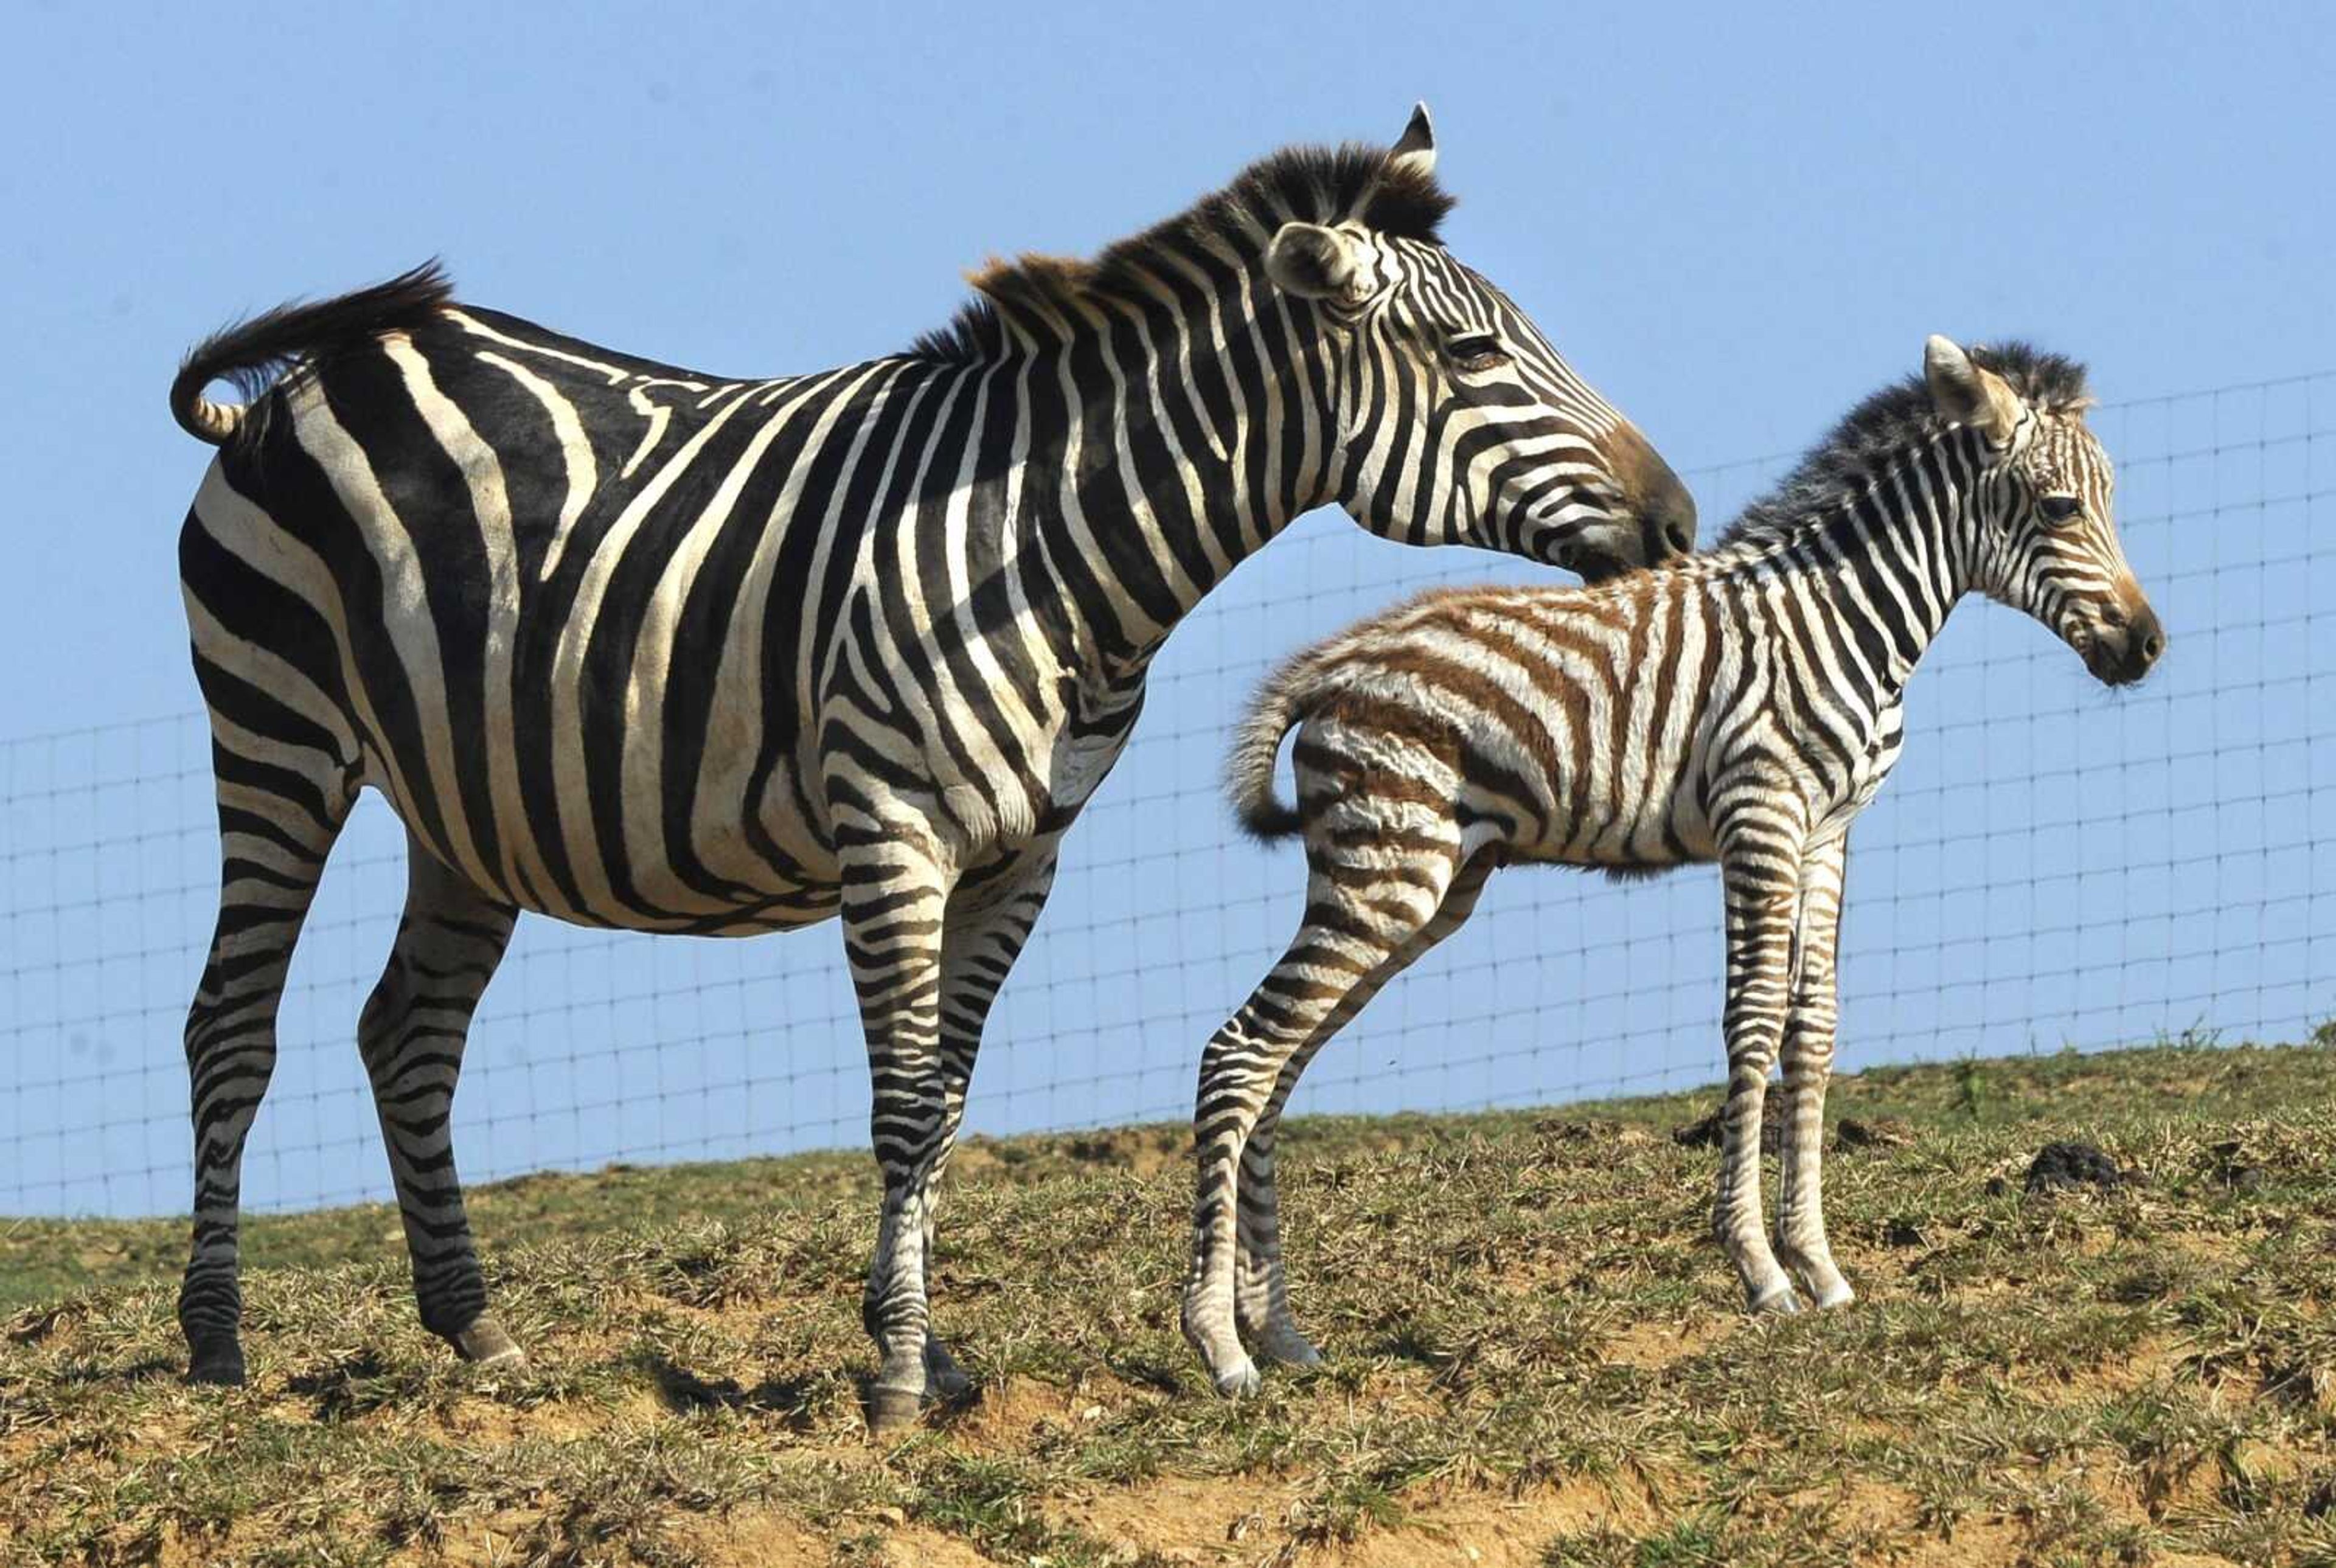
(2044, 539)
(1457, 422)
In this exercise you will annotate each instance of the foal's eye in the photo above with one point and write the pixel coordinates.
(1477, 351)
(2059, 508)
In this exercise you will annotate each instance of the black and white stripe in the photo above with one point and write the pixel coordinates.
(637, 647)
(1740, 706)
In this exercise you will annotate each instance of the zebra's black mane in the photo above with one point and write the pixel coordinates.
(1308, 184)
(1890, 422)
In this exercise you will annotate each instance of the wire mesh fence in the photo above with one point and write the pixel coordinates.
(2052, 864)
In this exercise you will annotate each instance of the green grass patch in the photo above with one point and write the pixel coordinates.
(1537, 1355)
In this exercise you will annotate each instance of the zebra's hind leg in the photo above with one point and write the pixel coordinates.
(412, 1032)
(1262, 1294)
(894, 906)
(988, 924)
(1801, 1243)
(281, 804)
(1366, 902)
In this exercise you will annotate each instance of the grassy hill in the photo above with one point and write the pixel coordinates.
(1536, 1356)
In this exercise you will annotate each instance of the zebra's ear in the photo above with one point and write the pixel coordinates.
(1968, 394)
(1317, 263)
(1414, 150)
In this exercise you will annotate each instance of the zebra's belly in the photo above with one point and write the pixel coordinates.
(628, 864)
(1635, 822)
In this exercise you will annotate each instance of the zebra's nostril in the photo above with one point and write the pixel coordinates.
(1682, 536)
(2152, 646)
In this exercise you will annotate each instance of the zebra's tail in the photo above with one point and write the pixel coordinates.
(252, 352)
(1276, 710)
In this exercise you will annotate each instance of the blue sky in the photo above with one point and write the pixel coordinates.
(1734, 225)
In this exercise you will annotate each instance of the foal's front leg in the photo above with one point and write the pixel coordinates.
(1760, 861)
(1809, 1063)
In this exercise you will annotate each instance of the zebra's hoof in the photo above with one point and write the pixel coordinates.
(486, 1344)
(1779, 1302)
(216, 1362)
(892, 1411)
(1240, 1380)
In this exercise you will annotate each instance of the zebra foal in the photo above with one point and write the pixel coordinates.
(638, 647)
(1740, 706)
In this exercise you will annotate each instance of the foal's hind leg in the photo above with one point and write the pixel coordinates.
(1365, 903)
(1261, 1296)
(411, 1033)
(281, 804)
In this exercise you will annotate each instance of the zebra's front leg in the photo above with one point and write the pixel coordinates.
(1760, 878)
(1262, 1293)
(894, 906)
(450, 939)
(988, 924)
(1801, 1241)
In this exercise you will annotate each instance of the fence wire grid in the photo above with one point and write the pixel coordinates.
(2052, 864)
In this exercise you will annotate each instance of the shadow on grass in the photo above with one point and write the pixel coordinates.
(1143, 1372)
(350, 1387)
(684, 1393)
(147, 1371)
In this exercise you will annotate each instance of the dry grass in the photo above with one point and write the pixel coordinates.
(1537, 1357)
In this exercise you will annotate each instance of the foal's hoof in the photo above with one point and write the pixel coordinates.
(892, 1411)
(218, 1362)
(485, 1344)
(1779, 1302)
(1240, 1380)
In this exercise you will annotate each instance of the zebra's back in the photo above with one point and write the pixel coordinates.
(532, 589)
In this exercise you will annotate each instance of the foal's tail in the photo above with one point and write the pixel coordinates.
(1277, 709)
(250, 353)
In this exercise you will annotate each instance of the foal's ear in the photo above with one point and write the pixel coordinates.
(1414, 150)
(1317, 263)
(1968, 394)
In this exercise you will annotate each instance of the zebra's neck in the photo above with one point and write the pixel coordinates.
(1163, 444)
(1890, 559)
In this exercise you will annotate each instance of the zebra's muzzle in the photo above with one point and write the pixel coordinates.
(2122, 647)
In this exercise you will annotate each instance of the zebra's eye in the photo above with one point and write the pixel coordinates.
(1477, 351)
(2059, 508)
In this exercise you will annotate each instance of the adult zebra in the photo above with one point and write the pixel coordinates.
(640, 647)
(1740, 706)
